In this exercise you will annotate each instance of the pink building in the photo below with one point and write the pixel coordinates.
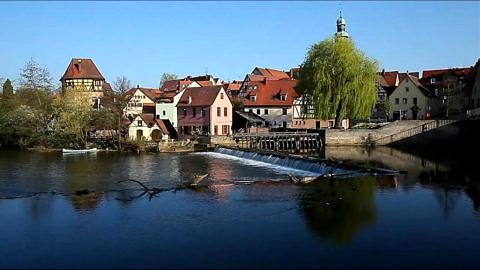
(205, 110)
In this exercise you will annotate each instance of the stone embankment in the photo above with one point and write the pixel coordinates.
(382, 136)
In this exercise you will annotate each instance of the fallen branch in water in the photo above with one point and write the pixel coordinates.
(154, 191)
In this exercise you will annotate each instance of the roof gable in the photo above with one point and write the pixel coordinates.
(82, 68)
(269, 93)
(200, 96)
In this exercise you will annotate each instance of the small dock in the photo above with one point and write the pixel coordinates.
(281, 141)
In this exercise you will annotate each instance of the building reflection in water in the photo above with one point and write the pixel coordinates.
(445, 181)
(220, 172)
(338, 209)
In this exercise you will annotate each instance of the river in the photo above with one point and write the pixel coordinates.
(427, 216)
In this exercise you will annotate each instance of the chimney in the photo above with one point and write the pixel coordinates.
(138, 87)
(383, 71)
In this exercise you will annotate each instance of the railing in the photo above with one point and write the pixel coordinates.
(280, 141)
(412, 132)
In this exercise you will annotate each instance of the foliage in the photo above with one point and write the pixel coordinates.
(340, 79)
(121, 85)
(74, 114)
(7, 102)
(237, 104)
(167, 77)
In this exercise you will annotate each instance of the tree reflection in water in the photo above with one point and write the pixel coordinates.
(82, 173)
(337, 209)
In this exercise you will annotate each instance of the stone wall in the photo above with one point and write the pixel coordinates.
(176, 146)
(349, 136)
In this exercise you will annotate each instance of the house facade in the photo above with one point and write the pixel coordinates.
(145, 127)
(166, 104)
(272, 100)
(450, 86)
(83, 76)
(411, 100)
(474, 87)
(205, 109)
(304, 116)
(140, 100)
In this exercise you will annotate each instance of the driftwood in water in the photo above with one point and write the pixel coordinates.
(154, 191)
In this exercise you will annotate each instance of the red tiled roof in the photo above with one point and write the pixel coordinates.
(201, 96)
(441, 72)
(178, 84)
(151, 93)
(271, 73)
(256, 78)
(107, 87)
(82, 68)
(390, 77)
(205, 83)
(232, 86)
(268, 93)
(149, 118)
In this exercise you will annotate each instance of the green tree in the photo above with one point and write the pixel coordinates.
(340, 79)
(8, 98)
(167, 77)
(74, 113)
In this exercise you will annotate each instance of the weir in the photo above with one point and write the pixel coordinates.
(319, 168)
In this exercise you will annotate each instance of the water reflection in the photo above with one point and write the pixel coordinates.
(447, 179)
(338, 209)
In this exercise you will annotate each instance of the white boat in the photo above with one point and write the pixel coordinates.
(75, 151)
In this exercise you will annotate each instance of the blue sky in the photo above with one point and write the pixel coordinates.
(142, 40)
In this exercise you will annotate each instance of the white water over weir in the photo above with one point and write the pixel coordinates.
(298, 163)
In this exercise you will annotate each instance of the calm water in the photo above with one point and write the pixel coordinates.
(427, 217)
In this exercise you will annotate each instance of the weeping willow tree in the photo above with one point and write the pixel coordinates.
(340, 80)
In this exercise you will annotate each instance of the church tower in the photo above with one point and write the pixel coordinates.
(341, 32)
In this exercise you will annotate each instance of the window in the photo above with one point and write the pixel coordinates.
(219, 112)
(203, 111)
(258, 111)
(225, 111)
(284, 111)
(139, 123)
(163, 112)
(415, 100)
(184, 112)
(194, 112)
(436, 91)
(407, 89)
(221, 95)
(215, 130)
(330, 123)
(225, 129)
(253, 98)
(433, 80)
(397, 101)
(265, 111)
(254, 87)
(283, 97)
(404, 100)
(158, 116)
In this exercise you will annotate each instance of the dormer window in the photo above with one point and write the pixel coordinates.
(433, 80)
(283, 97)
(253, 98)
